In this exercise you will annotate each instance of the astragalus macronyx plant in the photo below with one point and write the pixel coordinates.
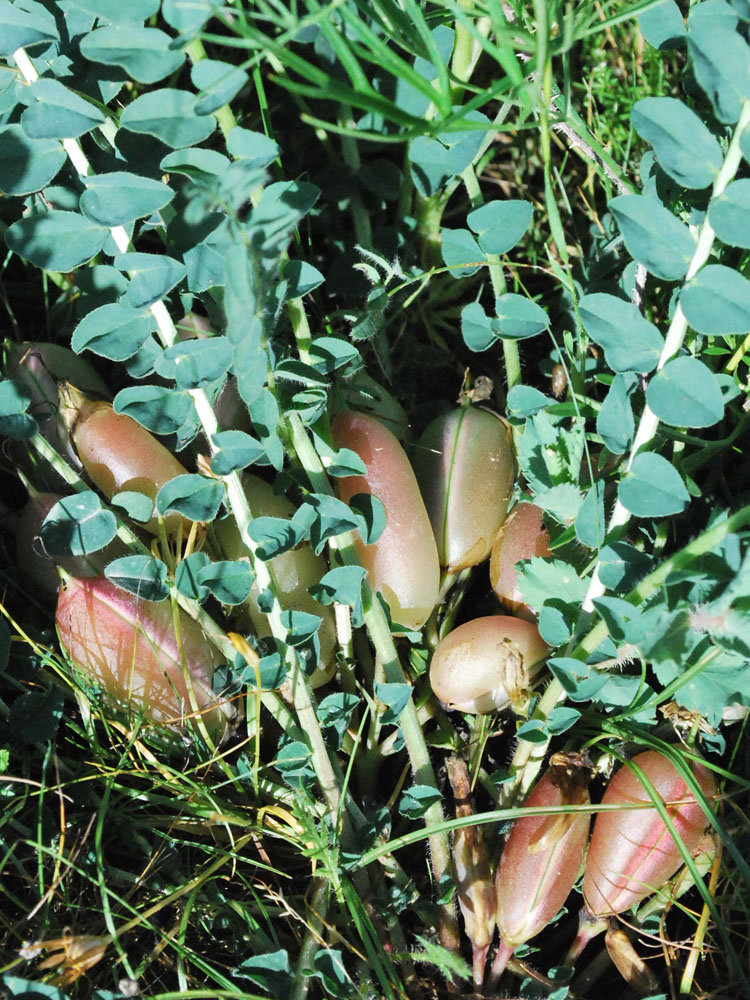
(312, 244)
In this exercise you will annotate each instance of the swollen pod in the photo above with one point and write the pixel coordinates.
(632, 853)
(487, 664)
(117, 452)
(129, 647)
(542, 856)
(465, 468)
(523, 536)
(403, 564)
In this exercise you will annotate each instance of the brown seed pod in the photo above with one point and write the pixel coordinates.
(559, 381)
(474, 884)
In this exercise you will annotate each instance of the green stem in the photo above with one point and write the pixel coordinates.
(298, 683)
(429, 213)
(528, 757)
(316, 918)
(224, 115)
(350, 151)
(382, 640)
(499, 287)
(235, 496)
(675, 337)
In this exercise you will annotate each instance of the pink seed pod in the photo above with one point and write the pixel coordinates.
(465, 468)
(632, 853)
(294, 572)
(117, 452)
(129, 648)
(542, 856)
(486, 664)
(403, 564)
(523, 536)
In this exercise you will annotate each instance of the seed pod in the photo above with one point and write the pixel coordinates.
(465, 469)
(542, 856)
(474, 885)
(128, 647)
(559, 381)
(365, 395)
(486, 664)
(629, 964)
(117, 452)
(632, 853)
(403, 563)
(40, 367)
(522, 537)
(32, 559)
(294, 572)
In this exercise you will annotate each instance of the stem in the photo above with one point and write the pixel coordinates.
(224, 115)
(236, 498)
(317, 911)
(589, 927)
(656, 579)
(350, 151)
(528, 756)
(497, 277)
(300, 687)
(502, 957)
(385, 649)
(686, 983)
(675, 337)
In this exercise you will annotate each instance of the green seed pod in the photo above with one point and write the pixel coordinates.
(116, 452)
(294, 572)
(129, 648)
(465, 468)
(403, 563)
(487, 664)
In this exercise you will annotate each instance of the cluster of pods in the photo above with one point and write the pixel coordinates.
(148, 659)
(446, 510)
(632, 853)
